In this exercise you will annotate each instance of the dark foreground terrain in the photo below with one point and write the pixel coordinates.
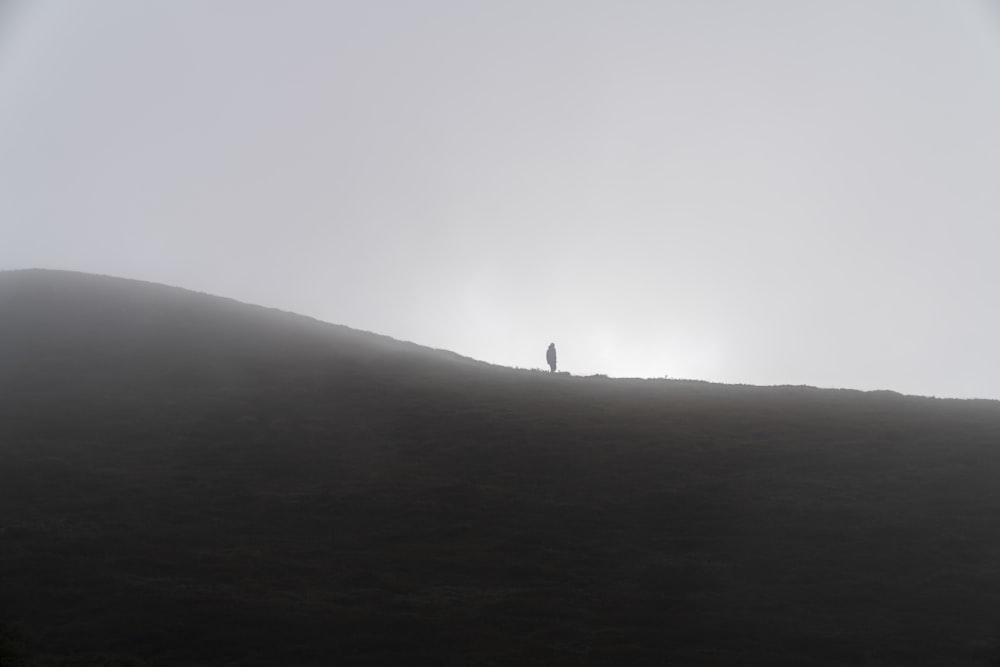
(185, 480)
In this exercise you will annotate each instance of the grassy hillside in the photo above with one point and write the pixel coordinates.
(189, 480)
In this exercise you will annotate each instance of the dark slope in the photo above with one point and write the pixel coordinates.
(189, 480)
(94, 329)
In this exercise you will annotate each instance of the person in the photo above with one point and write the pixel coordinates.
(550, 356)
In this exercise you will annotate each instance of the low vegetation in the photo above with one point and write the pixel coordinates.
(187, 480)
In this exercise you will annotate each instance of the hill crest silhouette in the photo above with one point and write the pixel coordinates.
(185, 479)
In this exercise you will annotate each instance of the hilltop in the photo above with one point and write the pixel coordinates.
(185, 479)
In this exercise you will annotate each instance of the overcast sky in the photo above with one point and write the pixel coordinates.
(768, 192)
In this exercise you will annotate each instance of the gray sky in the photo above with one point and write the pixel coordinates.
(770, 192)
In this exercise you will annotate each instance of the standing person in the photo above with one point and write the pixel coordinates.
(550, 356)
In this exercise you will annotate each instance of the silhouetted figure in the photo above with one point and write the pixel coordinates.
(550, 356)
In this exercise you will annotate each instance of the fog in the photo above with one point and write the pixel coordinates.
(774, 192)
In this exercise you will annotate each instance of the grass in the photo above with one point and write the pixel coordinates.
(214, 484)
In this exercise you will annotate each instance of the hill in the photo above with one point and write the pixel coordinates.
(185, 479)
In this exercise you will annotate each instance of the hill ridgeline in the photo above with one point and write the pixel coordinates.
(185, 479)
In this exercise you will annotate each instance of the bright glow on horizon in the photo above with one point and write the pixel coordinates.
(775, 193)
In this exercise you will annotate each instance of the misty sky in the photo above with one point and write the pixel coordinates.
(769, 192)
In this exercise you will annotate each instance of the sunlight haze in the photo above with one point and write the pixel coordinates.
(776, 192)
